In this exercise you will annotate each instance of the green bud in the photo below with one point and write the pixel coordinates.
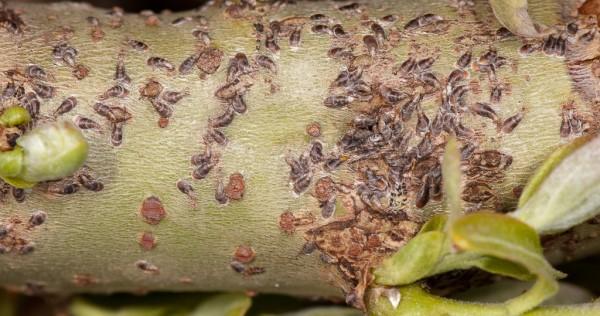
(14, 116)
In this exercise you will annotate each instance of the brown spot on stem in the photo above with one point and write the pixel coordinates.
(80, 71)
(152, 210)
(147, 240)
(84, 279)
(313, 129)
(236, 186)
(244, 254)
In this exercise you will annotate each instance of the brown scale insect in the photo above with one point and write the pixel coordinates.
(203, 158)
(137, 45)
(163, 109)
(116, 91)
(456, 76)
(244, 254)
(224, 119)
(571, 122)
(308, 248)
(464, 60)
(151, 89)
(491, 159)
(9, 91)
(496, 94)
(319, 17)
(238, 104)
(349, 7)
(233, 88)
(338, 30)
(572, 28)
(27, 248)
(370, 43)
(44, 91)
(147, 267)
(425, 64)
(332, 163)
(160, 63)
(220, 195)
(86, 123)
(172, 97)
(63, 187)
(379, 33)
(295, 38)
(93, 21)
(201, 36)
(511, 123)
(337, 101)
(503, 33)
(65, 53)
(188, 64)
(409, 108)
(37, 218)
(321, 29)
(477, 192)
(528, 49)
(271, 43)
(147, 240)
(328, 207)
(18, 195)
(31, 103)
(406, 67)
(421, 21)
(214, 135)
(202, 171)
(266, 62)
(316, 152)
(313, 129)
(36, 72)
(116, 134)
(422, 126)
(238, 65)
(237, 266)
(185, 187)
(89, 182)
(114, 114)
(66, 106)
(181, 20)
(121, 73)
(484, 110)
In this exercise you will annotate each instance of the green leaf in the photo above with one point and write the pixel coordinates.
(451, 183)
(569, 194)
(436, 223)
(412, 262)
(13, 116)
(513, 15)
(468, 260)
(11, 163)
(502, 237)
(230, 304)
(548, 166)
(52, 152)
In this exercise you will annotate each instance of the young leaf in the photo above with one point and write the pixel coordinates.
(436, 223)
(412, 262)
(451, 183)
(231, 304)
(514, 16)
(549, 164)
(569, 195)
(502, 237)
(467, 260)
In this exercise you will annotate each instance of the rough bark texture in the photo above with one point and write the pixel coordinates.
(90, 241)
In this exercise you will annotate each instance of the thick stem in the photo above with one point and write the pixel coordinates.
(91, 239)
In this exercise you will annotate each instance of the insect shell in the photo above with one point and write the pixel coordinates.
(172, 97)
(423, 20)
(151, 89)
(160, 63)
(116, 134)
(371, 44)
(86, 123)
(89, 182)
(66, 106)
(224, 119)
(137, 45)
(36, 72)
(163, 109)
(511, 123)
(188, 64)
(202, 36)
(120, 72)
(44, 91)
(295, 38)
(31, 103)
(186, 188)
(266, 62)
(116, 91)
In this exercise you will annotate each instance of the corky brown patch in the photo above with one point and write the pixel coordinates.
(152, 210)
